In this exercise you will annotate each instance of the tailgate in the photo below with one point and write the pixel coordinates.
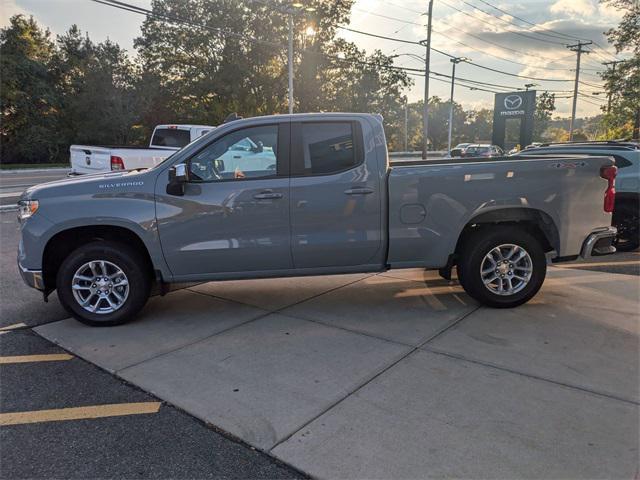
(87, 159)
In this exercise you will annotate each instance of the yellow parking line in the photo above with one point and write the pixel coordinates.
(598, 264)
(11, 327)
(53, 357)
(79, 413)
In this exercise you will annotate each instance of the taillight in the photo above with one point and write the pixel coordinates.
(609, 174)
(117, 163)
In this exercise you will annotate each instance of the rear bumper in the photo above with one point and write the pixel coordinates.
(599, 242)
(32, 278)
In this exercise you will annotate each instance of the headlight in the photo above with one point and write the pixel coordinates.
(26, 208)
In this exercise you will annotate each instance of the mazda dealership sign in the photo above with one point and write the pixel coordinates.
(514, 107)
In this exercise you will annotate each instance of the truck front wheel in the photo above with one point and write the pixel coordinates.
(103, 283)
(502, 267)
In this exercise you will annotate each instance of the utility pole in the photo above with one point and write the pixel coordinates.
(578, 48)
(613, 70)
(425, 111)
(454, 61)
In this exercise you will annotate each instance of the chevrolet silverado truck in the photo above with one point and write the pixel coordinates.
(165, 141)
(321, 198)
(626, 213)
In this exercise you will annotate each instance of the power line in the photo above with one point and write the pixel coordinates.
(507, 31)
(439, 32)
(572, 37)
(537, 32)
(519, 52)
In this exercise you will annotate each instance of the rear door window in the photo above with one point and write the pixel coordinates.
(326, 148)
(170, 137)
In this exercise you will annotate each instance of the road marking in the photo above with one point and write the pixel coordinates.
(10, 194)
(11, 327)
(54, 357)
(79, 413)
(599, 264)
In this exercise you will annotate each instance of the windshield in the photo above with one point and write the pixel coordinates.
(477, 150)
(170, 137)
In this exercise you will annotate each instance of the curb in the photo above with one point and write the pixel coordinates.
(37, 170)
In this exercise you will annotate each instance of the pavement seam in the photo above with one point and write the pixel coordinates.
(372, 378)
(203, 339)
(345, 329)
(528, 375)
(277, 310)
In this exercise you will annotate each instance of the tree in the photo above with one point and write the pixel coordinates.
(28, 99)
(479, 125)
(96, 87)
(545, 106)
(623, 83)
(212, 57)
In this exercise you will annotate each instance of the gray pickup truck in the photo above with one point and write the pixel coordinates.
(322, 198)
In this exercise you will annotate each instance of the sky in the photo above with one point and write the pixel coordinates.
(525, 37)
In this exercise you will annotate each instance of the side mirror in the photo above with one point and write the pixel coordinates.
(178, 177)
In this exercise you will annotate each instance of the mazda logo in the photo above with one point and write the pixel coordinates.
(512, 102)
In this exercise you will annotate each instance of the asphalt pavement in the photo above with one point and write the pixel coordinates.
(14, 182)
(61, 417)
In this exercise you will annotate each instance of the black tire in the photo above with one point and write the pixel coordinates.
(473, 253)
(120, 255)
(626, 218)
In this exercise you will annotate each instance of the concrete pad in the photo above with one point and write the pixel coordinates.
(276, 293)
(418, 275)
(582, 329)
(166, 323)
(263, 380)
(431, 416)
(399, 310)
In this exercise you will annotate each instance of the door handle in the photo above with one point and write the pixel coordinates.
(358, 191)
(267, 195)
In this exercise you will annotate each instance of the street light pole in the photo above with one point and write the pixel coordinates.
(290, 62)
(425, 110)
(294, 8)
(454, 61)
(406, 125)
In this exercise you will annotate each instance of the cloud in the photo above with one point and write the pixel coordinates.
(583, 8)
(9, 8)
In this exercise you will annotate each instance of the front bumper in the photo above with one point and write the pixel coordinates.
(599, 242)
(32, 278)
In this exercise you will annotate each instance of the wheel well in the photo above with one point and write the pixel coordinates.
(535, 222)
(63, 243)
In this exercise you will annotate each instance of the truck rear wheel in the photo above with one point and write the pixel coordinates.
(502, 267)
(103, 283)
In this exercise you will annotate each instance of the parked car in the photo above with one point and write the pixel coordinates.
(333, 204)
(165, 141)
(626, 215)
(458, 149)
(482, 150)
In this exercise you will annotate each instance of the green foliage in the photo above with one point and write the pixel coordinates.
(27, 101)
(545, 106)
(623, 83)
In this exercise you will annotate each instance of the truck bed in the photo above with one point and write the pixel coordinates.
(431, 201)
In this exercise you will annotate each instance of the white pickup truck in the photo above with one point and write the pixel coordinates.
(165, 141)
